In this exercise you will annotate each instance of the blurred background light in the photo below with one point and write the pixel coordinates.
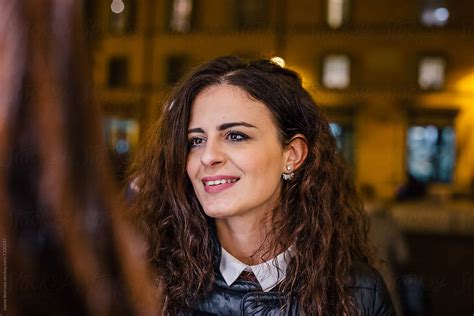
(466, 84)
(335, 13)
(117, 6)
(180, 21)
(435, 16)
(336, 71)
(279, 61)
(431, 72)
(441, 14)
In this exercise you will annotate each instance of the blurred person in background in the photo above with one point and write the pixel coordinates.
(247, 205)
(390, 246)
(67, 249)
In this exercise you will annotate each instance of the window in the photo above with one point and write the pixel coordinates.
(336, 71)
(121, 134)
(344, 138)
(122, 16)
(434, 13)
(431, 72)
(122, 138)
(431, 152)
(118, 72)
(177, 65)
(180, 15)
(337, 13)
(251, 14)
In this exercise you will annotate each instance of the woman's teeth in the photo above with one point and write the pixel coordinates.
(217, 182)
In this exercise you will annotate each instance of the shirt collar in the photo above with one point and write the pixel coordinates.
(268, 273)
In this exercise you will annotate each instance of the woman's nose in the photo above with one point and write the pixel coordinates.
(212, 154)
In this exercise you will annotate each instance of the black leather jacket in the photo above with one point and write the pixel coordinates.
(247, 298)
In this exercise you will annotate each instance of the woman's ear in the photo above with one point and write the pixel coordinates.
(296, 153)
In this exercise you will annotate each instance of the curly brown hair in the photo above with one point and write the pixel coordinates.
(321, 214)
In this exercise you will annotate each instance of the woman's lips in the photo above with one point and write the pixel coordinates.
(216, 184)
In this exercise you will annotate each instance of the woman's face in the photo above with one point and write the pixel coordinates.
(235, 160)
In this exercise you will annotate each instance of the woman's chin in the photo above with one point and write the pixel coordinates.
(217, 213)
(216, 208)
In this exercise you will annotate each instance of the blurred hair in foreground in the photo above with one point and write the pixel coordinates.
(67, 248)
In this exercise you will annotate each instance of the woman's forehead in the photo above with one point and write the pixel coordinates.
(225, 102)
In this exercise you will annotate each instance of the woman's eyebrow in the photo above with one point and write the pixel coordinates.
(233, 124)
(222, 127)
(195, 130)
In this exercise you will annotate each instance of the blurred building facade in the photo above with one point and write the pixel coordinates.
(396, 78)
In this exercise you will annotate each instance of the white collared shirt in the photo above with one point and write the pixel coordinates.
(268, 274)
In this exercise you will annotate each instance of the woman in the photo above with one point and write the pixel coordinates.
(242, 174)
(66, 249)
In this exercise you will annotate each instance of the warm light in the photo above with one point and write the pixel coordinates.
(335, 13)
(336, 71)
(279, 61)
(181, 16)
(466, 84)
(431, 72)
(117, 6)
(307, 77)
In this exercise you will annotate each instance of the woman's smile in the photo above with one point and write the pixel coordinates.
(216, 184)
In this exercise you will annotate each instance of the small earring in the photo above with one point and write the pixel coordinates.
(288, 175)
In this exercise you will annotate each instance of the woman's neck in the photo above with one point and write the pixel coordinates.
(251, 243)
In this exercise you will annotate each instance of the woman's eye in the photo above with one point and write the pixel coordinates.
(236, 136)
(195, 141)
